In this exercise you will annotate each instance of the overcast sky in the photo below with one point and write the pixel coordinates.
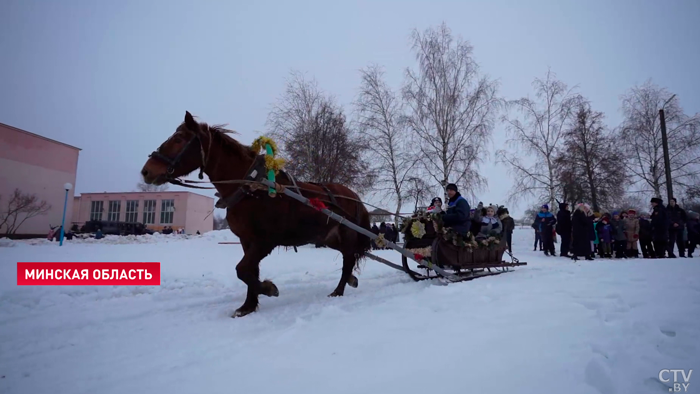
(115, 78)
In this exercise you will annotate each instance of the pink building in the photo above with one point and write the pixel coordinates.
(156, 210)
(37, 166)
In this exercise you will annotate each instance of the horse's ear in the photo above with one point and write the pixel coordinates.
(190, 122)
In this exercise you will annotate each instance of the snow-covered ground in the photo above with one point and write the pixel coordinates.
(553, 326)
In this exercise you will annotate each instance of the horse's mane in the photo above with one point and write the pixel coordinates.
(231, 145)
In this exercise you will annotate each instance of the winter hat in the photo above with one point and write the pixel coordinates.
(657, 200)
(452, 186)
(616, 213)
(545, 206)
(436, 199)
(632, 211)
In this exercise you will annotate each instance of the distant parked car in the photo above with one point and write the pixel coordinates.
(115, 228)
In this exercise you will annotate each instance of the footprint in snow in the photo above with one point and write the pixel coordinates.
(668, 332)
(656, 384)
(591, 305)
(599, 378)
(597, 349)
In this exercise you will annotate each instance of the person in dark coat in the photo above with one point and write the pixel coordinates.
(693, 226)
(375, 231)
(538, 236)
(457, 215)
(564, 228)
(645, 237)
(389, 233)
(676, 227)
(659, 227)
(618, 234)
(581, 227)
(546, 221)
(508, 226)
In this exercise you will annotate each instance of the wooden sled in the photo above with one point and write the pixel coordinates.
(463, 262)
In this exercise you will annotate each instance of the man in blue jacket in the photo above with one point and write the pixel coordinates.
(546, 220)
(457, 215)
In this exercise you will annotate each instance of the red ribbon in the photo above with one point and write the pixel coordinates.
(418, 257)
(317, 204)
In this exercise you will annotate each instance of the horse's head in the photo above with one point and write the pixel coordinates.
(178, 156)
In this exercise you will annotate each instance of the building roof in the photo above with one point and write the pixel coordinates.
(39, 136)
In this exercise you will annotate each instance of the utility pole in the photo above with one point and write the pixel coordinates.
(664, 142)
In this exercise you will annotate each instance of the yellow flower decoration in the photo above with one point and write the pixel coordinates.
(418, 229)
(274, 163)
(380, 241)
(271, 162)
(260, 142)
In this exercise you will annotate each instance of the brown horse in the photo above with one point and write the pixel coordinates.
(261, 222)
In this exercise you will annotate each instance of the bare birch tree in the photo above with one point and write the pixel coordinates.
(452, 108)
(641, 130)
(418, 191)
(535, 136)
(379, 118)
(631, 201)
(591, 153)
(313, 135)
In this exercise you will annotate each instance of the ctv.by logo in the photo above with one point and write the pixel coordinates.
(677, 385)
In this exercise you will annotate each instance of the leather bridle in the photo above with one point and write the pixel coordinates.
(174, 162)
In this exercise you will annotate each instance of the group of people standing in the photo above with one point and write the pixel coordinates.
(620, 234)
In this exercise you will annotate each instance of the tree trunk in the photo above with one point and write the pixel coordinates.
(398, 212)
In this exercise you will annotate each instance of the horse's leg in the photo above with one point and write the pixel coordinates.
(248, 270)
(347, 277)
(339, 239)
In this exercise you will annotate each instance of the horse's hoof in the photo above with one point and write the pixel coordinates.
(269, 289)
(240, 312)
(352, 281)
(335, 294)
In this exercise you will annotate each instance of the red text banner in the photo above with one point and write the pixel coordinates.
(88, 274)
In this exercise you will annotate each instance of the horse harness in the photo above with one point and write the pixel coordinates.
(330, 195)
(255, 173)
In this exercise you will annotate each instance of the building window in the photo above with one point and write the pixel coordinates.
(113, 213)
(96, 208)
(149, 211)
(132, 211)
(167, 209)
